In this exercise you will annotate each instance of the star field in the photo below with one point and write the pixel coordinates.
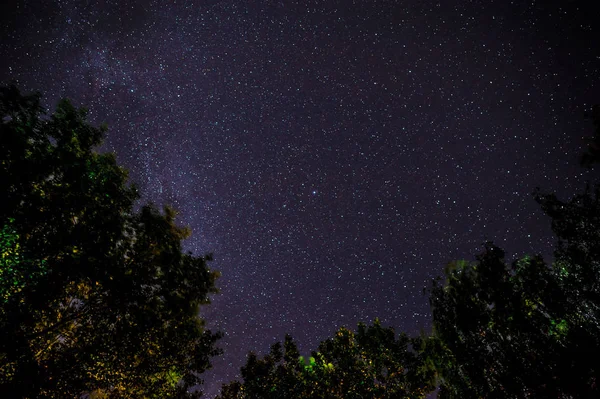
(333, 155)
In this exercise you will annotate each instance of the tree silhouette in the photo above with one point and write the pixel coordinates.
(499, 330)
(94, 297)
(374, 362)
(529, 329)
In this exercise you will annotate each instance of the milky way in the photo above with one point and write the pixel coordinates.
(333, 155)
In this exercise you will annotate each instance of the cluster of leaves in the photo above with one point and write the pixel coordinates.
(374, 362)
(94, 297)
(520, 331)
(499, 331)
(529, 329)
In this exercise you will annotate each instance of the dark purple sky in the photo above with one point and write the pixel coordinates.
(333, 155)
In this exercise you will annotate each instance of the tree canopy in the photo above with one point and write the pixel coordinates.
(373, 362)
(94, 297)
(526, 329)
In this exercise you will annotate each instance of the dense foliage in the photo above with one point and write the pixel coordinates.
(374, 362)
(94, 297)
(529, 329)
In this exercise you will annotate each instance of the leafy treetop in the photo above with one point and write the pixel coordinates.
(94, 297)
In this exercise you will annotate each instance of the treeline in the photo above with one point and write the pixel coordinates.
(98, 300)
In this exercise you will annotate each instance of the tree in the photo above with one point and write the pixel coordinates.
(576, 223)
(500, 330)
(94, 297)
(528, 329)
(372, 363)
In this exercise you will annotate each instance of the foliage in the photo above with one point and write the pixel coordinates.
(94, 297)
(525, 330)
(529, 329)
(371, 363)
(492, 327)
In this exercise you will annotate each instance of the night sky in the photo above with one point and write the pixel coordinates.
(333, 155)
